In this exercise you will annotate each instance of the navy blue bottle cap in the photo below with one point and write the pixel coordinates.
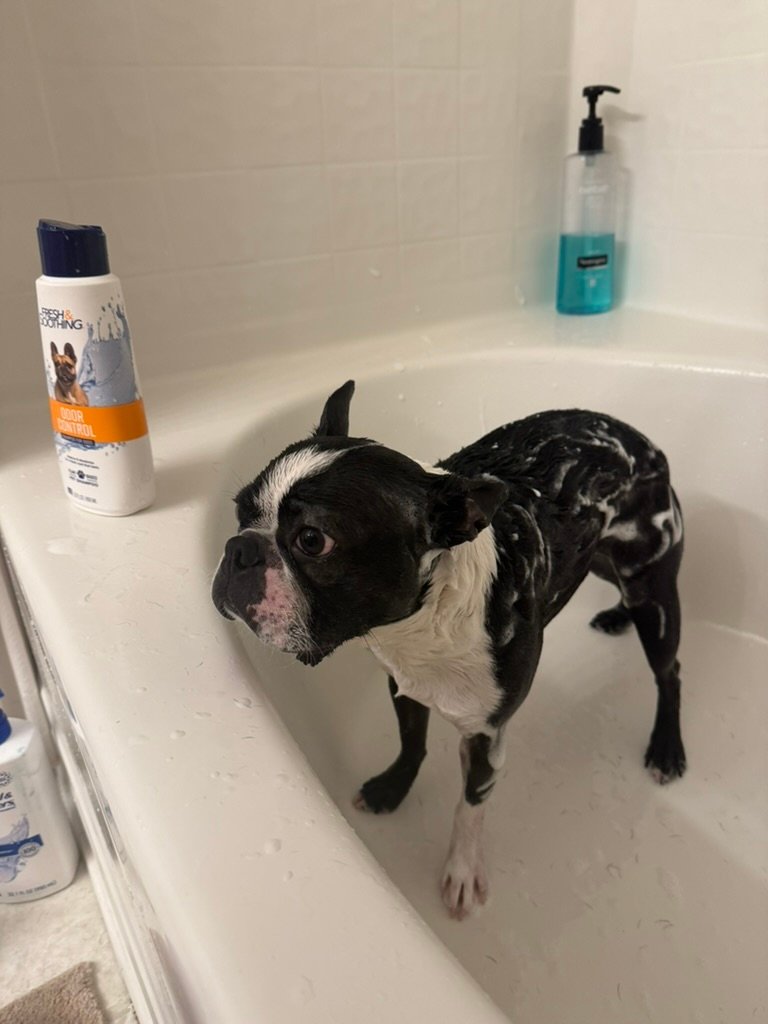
(5, 725)
(72, 250)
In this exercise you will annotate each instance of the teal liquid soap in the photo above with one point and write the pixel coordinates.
(585, 274)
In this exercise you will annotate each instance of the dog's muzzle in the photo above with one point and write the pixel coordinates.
(251, 584)
(242, 554)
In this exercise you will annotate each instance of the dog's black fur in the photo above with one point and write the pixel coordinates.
(567, 493)
(560, 468)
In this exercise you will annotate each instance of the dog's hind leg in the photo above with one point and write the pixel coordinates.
(651, 596)
(385, 792)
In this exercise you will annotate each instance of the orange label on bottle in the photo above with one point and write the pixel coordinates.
(100, 424)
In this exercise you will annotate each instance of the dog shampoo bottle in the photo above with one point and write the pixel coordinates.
(38, 854)
(97, 412)
(585, 271)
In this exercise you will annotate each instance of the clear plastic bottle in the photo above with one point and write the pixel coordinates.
(38, 854)
(585, 275)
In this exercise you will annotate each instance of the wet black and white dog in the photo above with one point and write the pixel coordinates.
(450, 574)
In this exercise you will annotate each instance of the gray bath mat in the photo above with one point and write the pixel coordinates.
(68, 999)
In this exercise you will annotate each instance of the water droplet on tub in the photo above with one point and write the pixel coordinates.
(374, 271)
(178, 734)
(303, 991)
(65, 546)
(140, 689)
(202, 714)
(287, 876)
(400, 367)
(137, 741)
(401, 397)
(272, 846)
(226, 777)
(670, 883)
(244, 702)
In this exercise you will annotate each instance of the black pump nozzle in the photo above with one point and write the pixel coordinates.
(591, 131)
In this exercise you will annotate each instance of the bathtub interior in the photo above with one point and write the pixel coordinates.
(611, 898)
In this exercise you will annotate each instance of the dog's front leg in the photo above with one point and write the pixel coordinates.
(385, 792)
(465, 883)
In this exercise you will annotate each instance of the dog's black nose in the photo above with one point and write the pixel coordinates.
(246, 551)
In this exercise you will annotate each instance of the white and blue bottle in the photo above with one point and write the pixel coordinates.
(96, 408)
(585, 271)
(38, 854)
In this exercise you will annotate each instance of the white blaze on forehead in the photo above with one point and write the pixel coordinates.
(287, 472)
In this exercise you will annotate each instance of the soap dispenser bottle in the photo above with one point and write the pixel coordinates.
(585, 273)
(38, 854)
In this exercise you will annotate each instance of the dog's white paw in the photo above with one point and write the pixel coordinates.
(465, 883)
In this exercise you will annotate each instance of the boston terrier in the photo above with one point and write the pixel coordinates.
(450, 573)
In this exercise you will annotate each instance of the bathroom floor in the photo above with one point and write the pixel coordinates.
(42, 939)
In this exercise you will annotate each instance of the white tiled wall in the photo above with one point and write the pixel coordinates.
(263, 164)
(691, 129)
(256, 160)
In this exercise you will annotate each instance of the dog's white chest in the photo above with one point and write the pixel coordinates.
(440, 655)
(464, 693)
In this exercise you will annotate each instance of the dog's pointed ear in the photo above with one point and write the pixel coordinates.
(54, 350)
(460, 507)
(335, 419)
(70, 352)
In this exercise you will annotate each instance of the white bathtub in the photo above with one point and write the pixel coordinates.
(228, 769)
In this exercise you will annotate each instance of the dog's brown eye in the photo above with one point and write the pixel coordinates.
(314, 542)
